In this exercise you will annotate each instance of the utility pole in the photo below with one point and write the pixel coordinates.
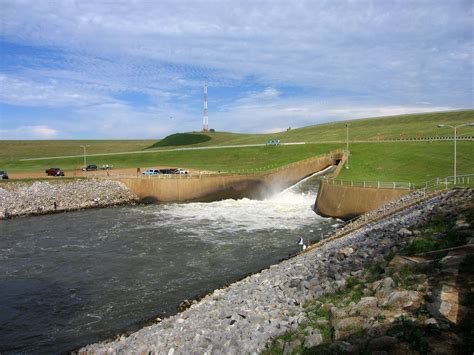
(85, 154)
(205, 118)
(455, 145)
(347, 145)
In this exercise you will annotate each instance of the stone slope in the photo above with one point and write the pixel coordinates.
(43, 197)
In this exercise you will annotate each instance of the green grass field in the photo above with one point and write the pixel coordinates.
(15, 150)
(407, 162)
(223, 159)
(384, 161)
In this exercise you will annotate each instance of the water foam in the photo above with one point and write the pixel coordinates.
(289, 209)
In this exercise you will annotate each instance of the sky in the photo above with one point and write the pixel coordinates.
(135, 69)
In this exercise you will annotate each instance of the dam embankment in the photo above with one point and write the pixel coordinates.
(346, 202)
(218, 186)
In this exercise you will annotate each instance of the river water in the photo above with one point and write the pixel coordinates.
(67, 280)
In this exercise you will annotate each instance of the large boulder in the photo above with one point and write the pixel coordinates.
(407, 300)
(314, 338)
(366, 307)
(403, 232)
(383, 288)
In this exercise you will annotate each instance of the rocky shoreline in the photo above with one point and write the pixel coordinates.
(20, 199)
(245, 317)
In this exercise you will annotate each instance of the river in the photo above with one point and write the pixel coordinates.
(67, 280)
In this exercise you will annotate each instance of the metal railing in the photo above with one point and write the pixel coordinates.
(421, 139)
(372, 184)
(447, 182)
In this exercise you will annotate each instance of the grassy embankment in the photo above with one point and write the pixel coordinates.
(251, 159)
(371, 160)
(370, 129)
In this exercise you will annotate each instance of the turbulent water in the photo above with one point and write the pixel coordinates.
(67, 280)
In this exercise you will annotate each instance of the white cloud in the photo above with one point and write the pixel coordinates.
(358, 59)
(253, 115)
(336, 44)
(19, 91)
(29, 132)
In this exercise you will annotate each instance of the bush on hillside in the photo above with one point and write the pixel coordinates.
(178, 139)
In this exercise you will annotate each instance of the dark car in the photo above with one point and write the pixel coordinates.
(90, 168)
(3, 175)
(54, 172)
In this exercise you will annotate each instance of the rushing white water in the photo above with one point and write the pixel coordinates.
(289, 209)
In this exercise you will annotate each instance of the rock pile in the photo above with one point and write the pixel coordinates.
(43, 197)
(243, 317)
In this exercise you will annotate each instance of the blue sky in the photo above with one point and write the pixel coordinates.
(135, 69)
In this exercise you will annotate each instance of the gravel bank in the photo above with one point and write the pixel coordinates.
(19, 199)
(243, 317)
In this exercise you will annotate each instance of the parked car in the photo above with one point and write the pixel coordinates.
(273, 142)
(54, 172)
(167, 171)
(180, 171)
(151, 172)
(3, 175)
(106, 167)
(89, 168)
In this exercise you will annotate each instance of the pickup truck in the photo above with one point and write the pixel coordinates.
(54, 172)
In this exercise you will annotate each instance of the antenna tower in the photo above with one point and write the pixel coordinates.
(205, 118)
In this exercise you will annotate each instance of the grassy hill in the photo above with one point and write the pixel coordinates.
(370, 159)
(179, 139)
(369, 129)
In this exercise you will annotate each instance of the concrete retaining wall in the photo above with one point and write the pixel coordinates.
(212, 187)
(347, 202)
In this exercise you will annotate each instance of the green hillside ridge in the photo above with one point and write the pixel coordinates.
(367, 129)
(180, 139)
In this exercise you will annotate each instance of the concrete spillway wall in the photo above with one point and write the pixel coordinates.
(210, 187)
(347, 202)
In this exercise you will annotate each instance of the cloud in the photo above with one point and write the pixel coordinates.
(250, 114)
(308, 43)
(285, 63)
(19, 91)
(29, 132)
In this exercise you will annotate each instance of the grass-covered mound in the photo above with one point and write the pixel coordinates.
(178, 139)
